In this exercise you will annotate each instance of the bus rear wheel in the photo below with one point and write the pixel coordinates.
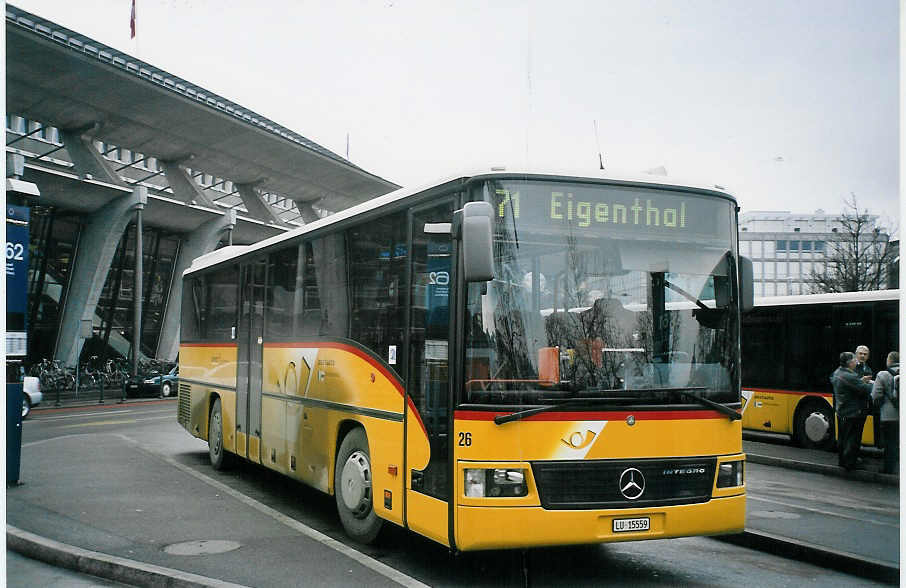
(353, 488)
(815, 426)
(219, 457)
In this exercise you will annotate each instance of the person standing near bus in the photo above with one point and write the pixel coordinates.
(851, 393)
(864, 371)
(885, 395)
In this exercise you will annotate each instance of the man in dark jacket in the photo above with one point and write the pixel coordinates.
(863, 370)
(885, 396)
(851, 394)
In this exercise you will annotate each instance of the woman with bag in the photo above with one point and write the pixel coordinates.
(885, 396)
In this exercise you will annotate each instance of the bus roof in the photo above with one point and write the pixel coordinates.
(832, 298)
(226, 253)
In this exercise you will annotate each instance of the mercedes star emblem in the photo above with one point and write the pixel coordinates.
(632, 483)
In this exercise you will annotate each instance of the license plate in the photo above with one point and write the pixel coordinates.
(626, 525)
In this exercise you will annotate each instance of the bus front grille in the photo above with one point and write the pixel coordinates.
(624, 483)
(184, 409)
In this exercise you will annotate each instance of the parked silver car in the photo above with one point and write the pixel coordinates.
(31, 394)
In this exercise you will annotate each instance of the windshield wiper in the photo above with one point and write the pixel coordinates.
(686, 295)
(688, 392)
(732, 414)
(521, 414)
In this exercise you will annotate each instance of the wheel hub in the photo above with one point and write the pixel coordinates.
(215, 433)
(816, 426)
(355, 484)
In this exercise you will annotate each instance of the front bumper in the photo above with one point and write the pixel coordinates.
(481, 527)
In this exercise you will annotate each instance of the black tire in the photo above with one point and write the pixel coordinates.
(219, 458)
(26, 407)
(166, 389)
(814, 426)
(353, 488)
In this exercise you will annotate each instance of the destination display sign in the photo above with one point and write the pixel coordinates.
(605, 209)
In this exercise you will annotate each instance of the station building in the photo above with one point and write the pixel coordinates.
(122, 152)
(786, 247)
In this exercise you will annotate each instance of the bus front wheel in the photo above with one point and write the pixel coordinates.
(353, 488)
(219, 458)
(815, 425)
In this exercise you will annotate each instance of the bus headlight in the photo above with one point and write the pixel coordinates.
(730, 474)
(497, 482)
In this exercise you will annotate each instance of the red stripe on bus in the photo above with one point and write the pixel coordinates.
(362, 354)
(207, 345)
(348, 348)
(662, 415)
(418, 417)
(799, 392)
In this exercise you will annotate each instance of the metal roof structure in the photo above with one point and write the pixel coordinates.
(70, 81)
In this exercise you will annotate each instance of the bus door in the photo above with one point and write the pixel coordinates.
(250, 344)
(427, 435)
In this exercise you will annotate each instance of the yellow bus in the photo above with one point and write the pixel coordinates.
(500, 360)
(790, 347)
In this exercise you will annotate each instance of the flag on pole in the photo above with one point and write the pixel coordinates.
(132, 21)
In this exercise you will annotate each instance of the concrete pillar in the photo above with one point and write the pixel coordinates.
(97, 246)
(255, 204)
(200, 241)
(89, 163)
(308, 213)
(184, 187)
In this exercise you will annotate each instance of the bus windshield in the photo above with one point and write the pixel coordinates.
(612, 293)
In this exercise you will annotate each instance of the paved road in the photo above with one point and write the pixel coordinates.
(129, 482)
(852, 516)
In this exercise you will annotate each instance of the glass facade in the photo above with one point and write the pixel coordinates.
(53, 246)
(53, 239)
(114, 315)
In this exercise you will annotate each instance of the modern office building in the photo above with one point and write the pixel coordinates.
(786, 247)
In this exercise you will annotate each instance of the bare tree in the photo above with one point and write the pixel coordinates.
(857, 258)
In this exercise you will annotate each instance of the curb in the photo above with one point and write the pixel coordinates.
(105, 566)
(841, 561)
(49, 408)
(821, 468)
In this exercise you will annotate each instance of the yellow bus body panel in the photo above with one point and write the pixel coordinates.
(428, 516)
(496, 523)
(313, 394)
(506, 527)
(769, 410)
(214, 365)
(649, 436)
(774, 411)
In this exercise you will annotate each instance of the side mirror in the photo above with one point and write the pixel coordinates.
(476, 224)
(746, 284)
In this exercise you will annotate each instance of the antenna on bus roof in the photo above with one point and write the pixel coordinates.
(598, 142)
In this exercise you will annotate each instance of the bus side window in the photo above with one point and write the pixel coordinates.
(378, 257)
(281, 294)
(193, 299)
(330, 272)
(311, 302)
(223, 303)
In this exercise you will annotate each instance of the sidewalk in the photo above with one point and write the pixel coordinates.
(801, 504)
(145, 519)
(776, 450)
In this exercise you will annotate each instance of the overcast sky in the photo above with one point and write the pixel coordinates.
(790, 105)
